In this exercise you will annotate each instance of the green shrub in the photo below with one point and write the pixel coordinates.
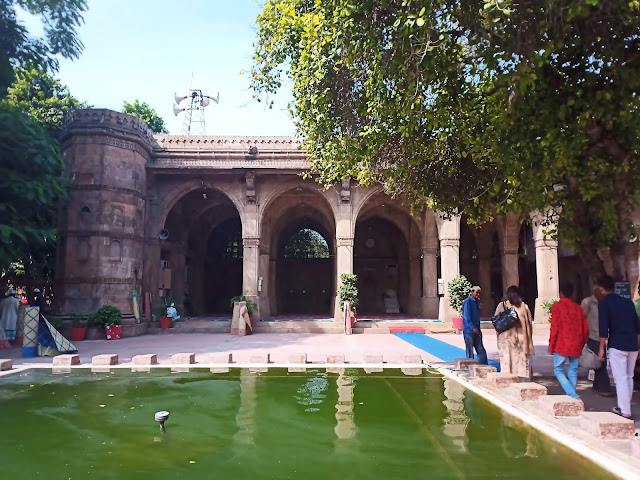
(251, 307)
(107, 315)
(459, 289)
(348, 292)
(547, 306)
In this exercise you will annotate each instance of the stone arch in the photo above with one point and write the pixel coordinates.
(296, 286)
(388, 257)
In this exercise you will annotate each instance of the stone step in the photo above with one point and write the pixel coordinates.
(561, 405)
(527, 391)
(607, 425)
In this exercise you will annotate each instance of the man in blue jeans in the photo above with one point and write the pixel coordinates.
(471, 326)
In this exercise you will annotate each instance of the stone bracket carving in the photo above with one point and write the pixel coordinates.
(345, 241)
(250, 181)
(345, 193)
(251, 241)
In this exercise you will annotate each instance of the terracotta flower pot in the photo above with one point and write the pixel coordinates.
(165, 322)
(457, 323)
(78, 333)
(113, 333)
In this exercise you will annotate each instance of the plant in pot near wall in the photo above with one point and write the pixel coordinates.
(459, 289)
(79, 325)
(348, 291)
(160, 311)
(111, 318)
(251, 306)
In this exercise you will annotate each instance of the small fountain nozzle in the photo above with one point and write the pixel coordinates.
(162, 417)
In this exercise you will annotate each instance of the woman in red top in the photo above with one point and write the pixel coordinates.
(569, 333)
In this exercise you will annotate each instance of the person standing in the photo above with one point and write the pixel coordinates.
(515, 345)
(471, 326)
(39, 300)
(9, 315)
(601, 381)
(569, 333)
(620, 333)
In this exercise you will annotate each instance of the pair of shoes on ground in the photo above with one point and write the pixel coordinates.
(617, 411)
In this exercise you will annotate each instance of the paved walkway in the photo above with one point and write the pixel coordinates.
(317, 346)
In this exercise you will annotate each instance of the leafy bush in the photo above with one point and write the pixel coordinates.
(547, 306)
(251, 307)
(459, 289)
(348, 292)
(107, 315)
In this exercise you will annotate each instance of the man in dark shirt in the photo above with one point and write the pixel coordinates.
(471, 326)
(620, 330)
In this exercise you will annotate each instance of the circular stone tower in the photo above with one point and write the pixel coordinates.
(101, 226)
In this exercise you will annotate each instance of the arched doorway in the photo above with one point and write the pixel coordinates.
(201, 259)
(381, 263)
(297, 251)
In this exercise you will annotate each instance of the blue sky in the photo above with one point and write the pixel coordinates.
(149, 49)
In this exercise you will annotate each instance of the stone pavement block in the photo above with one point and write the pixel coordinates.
(105, 359)
(480, 371)
(501, 380)
(6, 364)
(298, 358)
(260, 358)
(607, 425)
(373, 358)
(561, 405)
(335, 359)
(67, 360)
(145, 359)
(527, 391)
(464, 363)
(412, 359)
(183, 358)
(220, 357)
(635, 447)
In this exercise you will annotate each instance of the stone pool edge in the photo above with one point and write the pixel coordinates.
(612, 463)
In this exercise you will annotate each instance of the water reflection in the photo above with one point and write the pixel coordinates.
(245, 418)
(312, 392)
(456, 421)
(345, 426)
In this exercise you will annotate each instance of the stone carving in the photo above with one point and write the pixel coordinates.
(345, 241)
(251, 241)
(250, 180)
(345, 193)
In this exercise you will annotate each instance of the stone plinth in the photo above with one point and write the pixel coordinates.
(464, 363)
(183, 358)
(260, 358)
(607, 425)
(145, 359)
(105, 359)
(412, 359)
(66, 360)
(501, 380)
(6, 364)
(298, 358)
(528, 391)
(481, 371)
(335, 359)
(561, 405)
(221, 357)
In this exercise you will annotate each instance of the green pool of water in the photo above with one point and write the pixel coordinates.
(274, 425)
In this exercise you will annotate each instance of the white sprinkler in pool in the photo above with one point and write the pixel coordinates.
(162, 417)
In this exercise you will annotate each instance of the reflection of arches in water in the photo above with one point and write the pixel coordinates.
(455, 423)
(345, 426)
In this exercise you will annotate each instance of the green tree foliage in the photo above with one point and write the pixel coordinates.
(348, 291)
(41, 96)
(60, 19)
(147, 114)
(480, 107)
(306, 243)
(459, 289)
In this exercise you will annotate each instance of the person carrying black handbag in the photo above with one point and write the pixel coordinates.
(515, 345)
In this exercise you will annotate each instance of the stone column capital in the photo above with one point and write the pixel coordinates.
(251, 241)
(449, 242)
(344, 241)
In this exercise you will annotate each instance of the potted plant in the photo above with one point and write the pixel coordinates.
(459, 289)
(348, 292)
(95, 328)
(111, 318)
(251, 306)
(79, 325)
(160, 311)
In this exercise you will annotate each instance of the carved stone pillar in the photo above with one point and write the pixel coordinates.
(546, 266)
(510, 244)
(430, 300)
(344, 245)
(449, 235)
(250, 259)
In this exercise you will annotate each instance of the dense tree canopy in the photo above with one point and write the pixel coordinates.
(480, 107)
(306, 243)
(147, 114)
(60, 19)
